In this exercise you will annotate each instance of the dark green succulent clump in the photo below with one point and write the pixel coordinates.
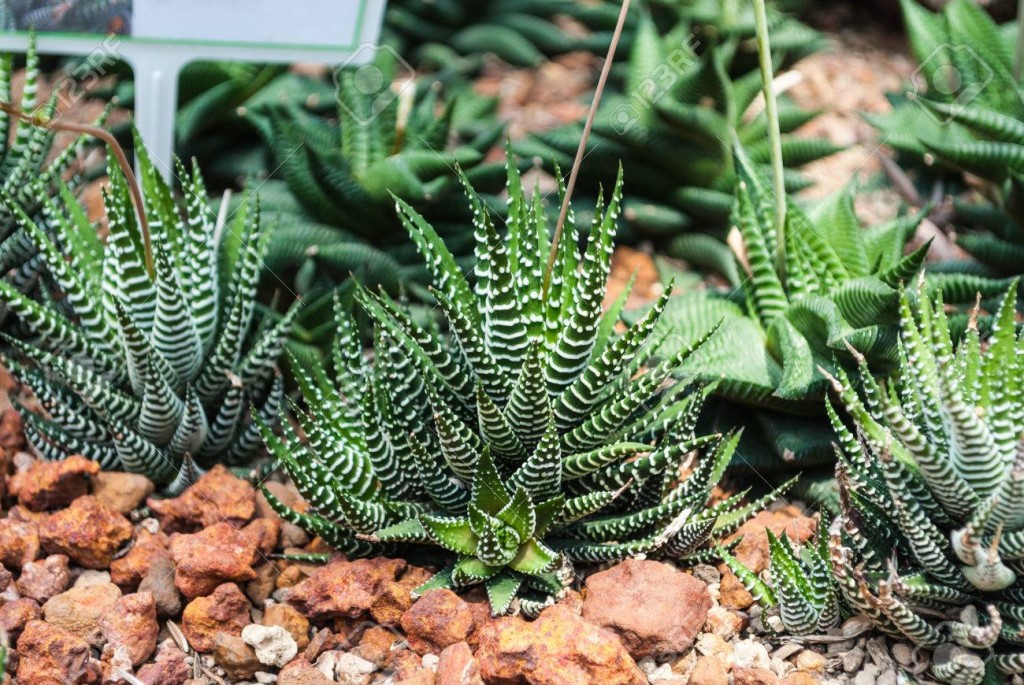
(525, 437)
(672, 124)
(455, 35)
(781, 318)
(342, 176)
(146, 370)
(29, 170)
(930, 539)
(965, 113)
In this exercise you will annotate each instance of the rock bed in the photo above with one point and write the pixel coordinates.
(102, 583)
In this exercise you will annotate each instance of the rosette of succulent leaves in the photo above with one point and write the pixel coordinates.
(150, 370)
(333, 213)
(525, 439)
(29, 179)
(929, 541)
(672, 125)
(974, 124)
(781, 319)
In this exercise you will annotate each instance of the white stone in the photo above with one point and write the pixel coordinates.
(750, 654)
(273, 644)
(353, 670)
(90, 577)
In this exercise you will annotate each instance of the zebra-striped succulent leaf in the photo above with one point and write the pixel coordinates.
(148, 372)
(931, 478)
(522, 439)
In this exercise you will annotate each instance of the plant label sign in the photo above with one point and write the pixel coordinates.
(158, 37)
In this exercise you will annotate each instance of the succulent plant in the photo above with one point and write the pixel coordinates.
(146, 364)
(342, 176)
(972, 124)
(836, 282)
(673, 124)
(799, 592)
(30, 171)
(521, 32)
(929, 541)
(524, 439)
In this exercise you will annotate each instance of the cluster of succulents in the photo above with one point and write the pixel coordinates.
(933, 472)
(144, 356)
(343, 174)
(525, 439)
(672, 123)
(927, 543)
(965, 113)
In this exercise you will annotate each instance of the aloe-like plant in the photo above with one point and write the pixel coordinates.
(342, 176)
(525, 439)
(929, 541)
(146, 359)
(672, 124)
(30, 171)
(966, 114)
(799, 592)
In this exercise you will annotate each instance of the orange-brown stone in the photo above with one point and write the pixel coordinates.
(52, 484)
(226, 610)
(88, 532)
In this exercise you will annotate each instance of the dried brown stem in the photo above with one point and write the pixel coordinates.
(115, 147)
(564, 211)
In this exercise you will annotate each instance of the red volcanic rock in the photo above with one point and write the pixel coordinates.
(19, 542)
(48, 655)
(87, 532)
(350, 588)
(132, 625)
(217, 496)
(653, 607)
(437, 620)
(559, 647)
(16, 614)
(129, 570)
(52, 484)
(210, 557)
(43, 579)
(226, 610)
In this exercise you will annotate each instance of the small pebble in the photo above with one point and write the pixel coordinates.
(903, 653)
(853, 660)
(886, 678)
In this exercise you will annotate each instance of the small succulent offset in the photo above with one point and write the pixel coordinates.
(146, 366)
(800, 592)
(525, 438)
(930, 539)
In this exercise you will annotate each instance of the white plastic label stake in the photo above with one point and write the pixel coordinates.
(159, 37)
